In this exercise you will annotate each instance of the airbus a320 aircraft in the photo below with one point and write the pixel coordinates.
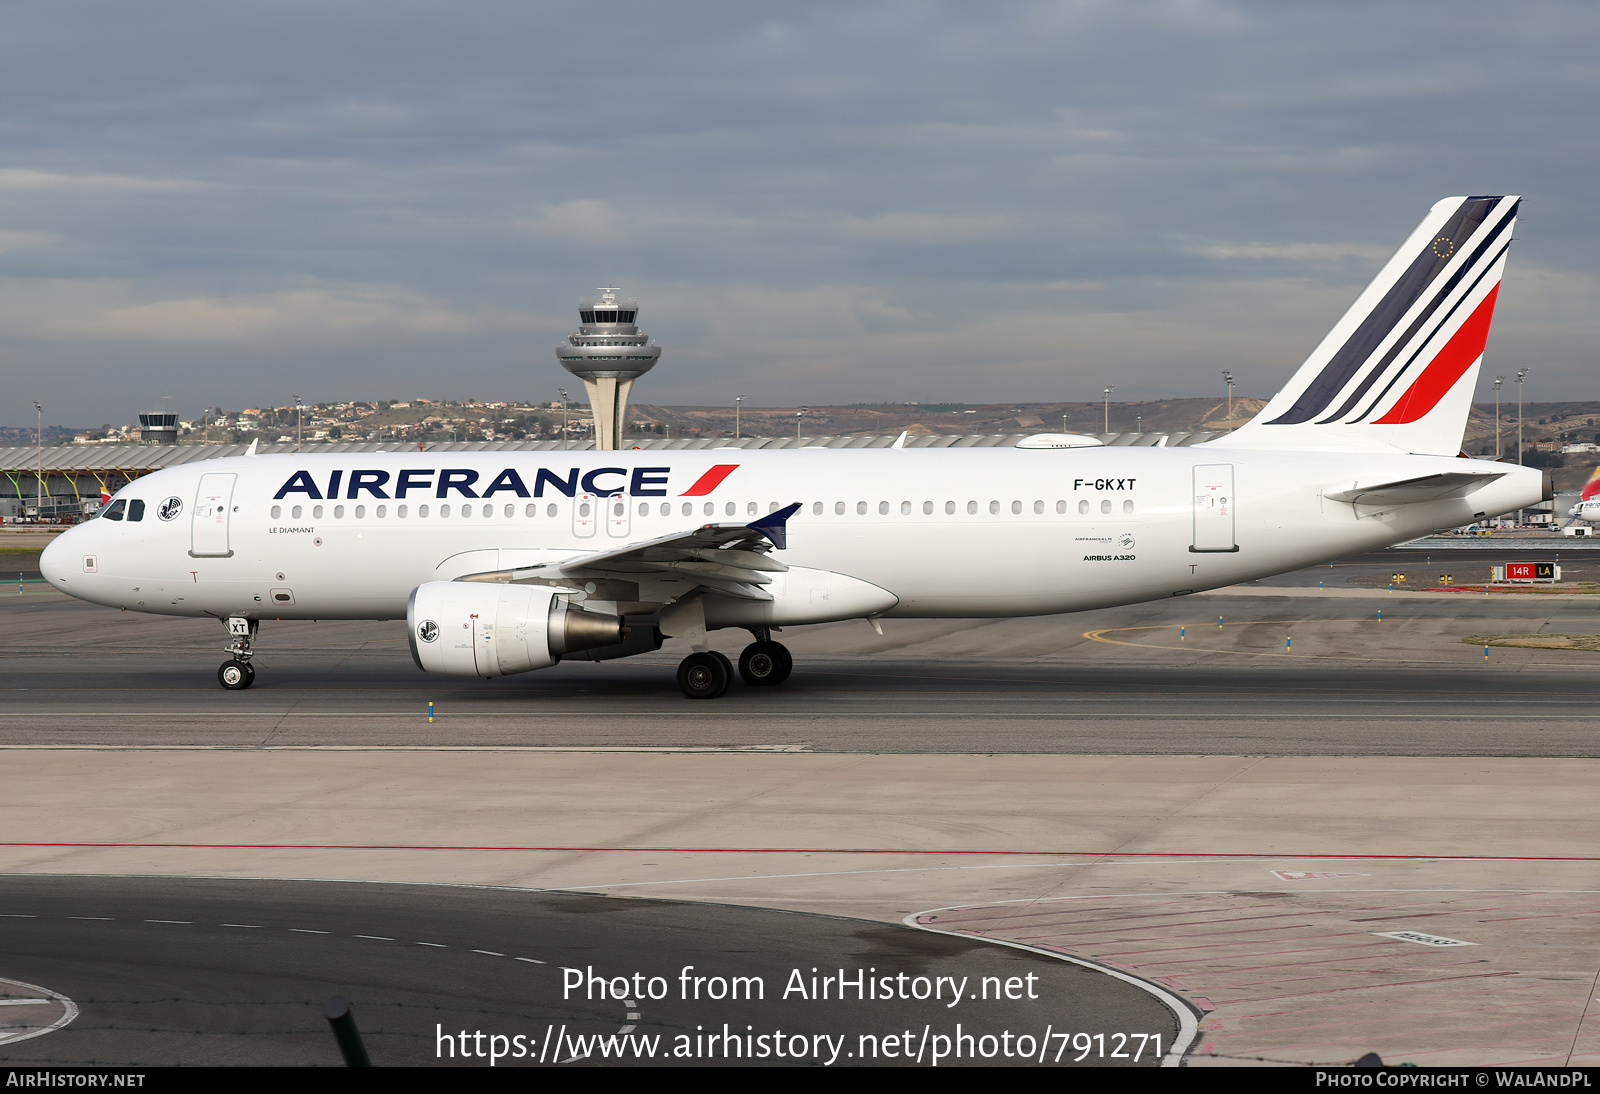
(501, 562)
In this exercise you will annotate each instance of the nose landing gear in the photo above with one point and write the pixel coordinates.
(237, 673)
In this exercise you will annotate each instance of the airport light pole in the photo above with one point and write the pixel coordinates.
(798, 415)
(738, 400)
(38, 448)
(563, 417)
(1522, 374)
(1138, 423)
(1109, 389)
(1498, 380)
(1227, 378)
(299, 414)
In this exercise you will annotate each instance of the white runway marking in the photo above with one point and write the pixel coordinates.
(37, 997)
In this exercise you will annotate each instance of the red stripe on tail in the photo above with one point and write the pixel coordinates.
(1464, 347)
(710, 480)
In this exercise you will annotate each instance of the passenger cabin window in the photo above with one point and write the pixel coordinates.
(115, 510)
(277, 511)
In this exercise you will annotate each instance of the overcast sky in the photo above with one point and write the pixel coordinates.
(822, 203)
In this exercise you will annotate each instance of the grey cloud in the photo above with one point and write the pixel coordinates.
(820, 203)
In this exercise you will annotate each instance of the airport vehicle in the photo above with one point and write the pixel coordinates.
(1588, 507)
(504, 562)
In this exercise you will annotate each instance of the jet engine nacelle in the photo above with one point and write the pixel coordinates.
(464, 628)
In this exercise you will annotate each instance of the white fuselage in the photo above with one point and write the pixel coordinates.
(1588, 511)
(949, 532)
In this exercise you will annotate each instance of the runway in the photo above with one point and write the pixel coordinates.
(1379, 674)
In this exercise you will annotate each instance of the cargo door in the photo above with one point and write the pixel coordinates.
(583, 515)
(1214, 506)
(208, 525)
(619, 517)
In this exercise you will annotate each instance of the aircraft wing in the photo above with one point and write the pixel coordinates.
(730, 559)
(1453, 484)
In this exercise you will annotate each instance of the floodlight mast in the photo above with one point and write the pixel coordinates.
(1522, 374)
(1498, 380)
(38, 448)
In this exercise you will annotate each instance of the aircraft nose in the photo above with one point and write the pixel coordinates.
(55, 561)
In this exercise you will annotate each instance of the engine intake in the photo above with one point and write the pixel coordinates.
(464, 628)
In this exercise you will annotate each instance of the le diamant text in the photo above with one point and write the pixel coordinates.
(816, 986)
(640, 482)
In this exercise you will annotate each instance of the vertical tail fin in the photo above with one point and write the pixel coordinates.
(1591, 489)
(1398, 371)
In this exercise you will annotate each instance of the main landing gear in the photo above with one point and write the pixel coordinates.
(237, 673)
(763, 663)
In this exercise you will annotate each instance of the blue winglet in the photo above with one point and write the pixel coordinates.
(774, 525)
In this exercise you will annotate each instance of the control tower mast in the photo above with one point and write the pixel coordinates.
(608, 354)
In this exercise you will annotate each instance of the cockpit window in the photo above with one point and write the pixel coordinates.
(114, 510)
(136, 509)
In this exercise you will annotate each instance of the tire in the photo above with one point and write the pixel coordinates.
(765, 664)
(236, 675)
(704, 675)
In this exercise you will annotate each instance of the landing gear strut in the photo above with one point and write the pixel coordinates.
(237, 673)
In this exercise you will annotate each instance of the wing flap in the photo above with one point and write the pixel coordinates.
(727, 559)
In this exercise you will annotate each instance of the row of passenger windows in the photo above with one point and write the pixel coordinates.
(709, 509)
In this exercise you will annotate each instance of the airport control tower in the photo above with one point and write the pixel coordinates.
(609, 353)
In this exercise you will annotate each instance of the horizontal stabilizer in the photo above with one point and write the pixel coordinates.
(1454, 484)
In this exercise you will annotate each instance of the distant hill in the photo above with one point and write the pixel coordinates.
(1160, 415)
